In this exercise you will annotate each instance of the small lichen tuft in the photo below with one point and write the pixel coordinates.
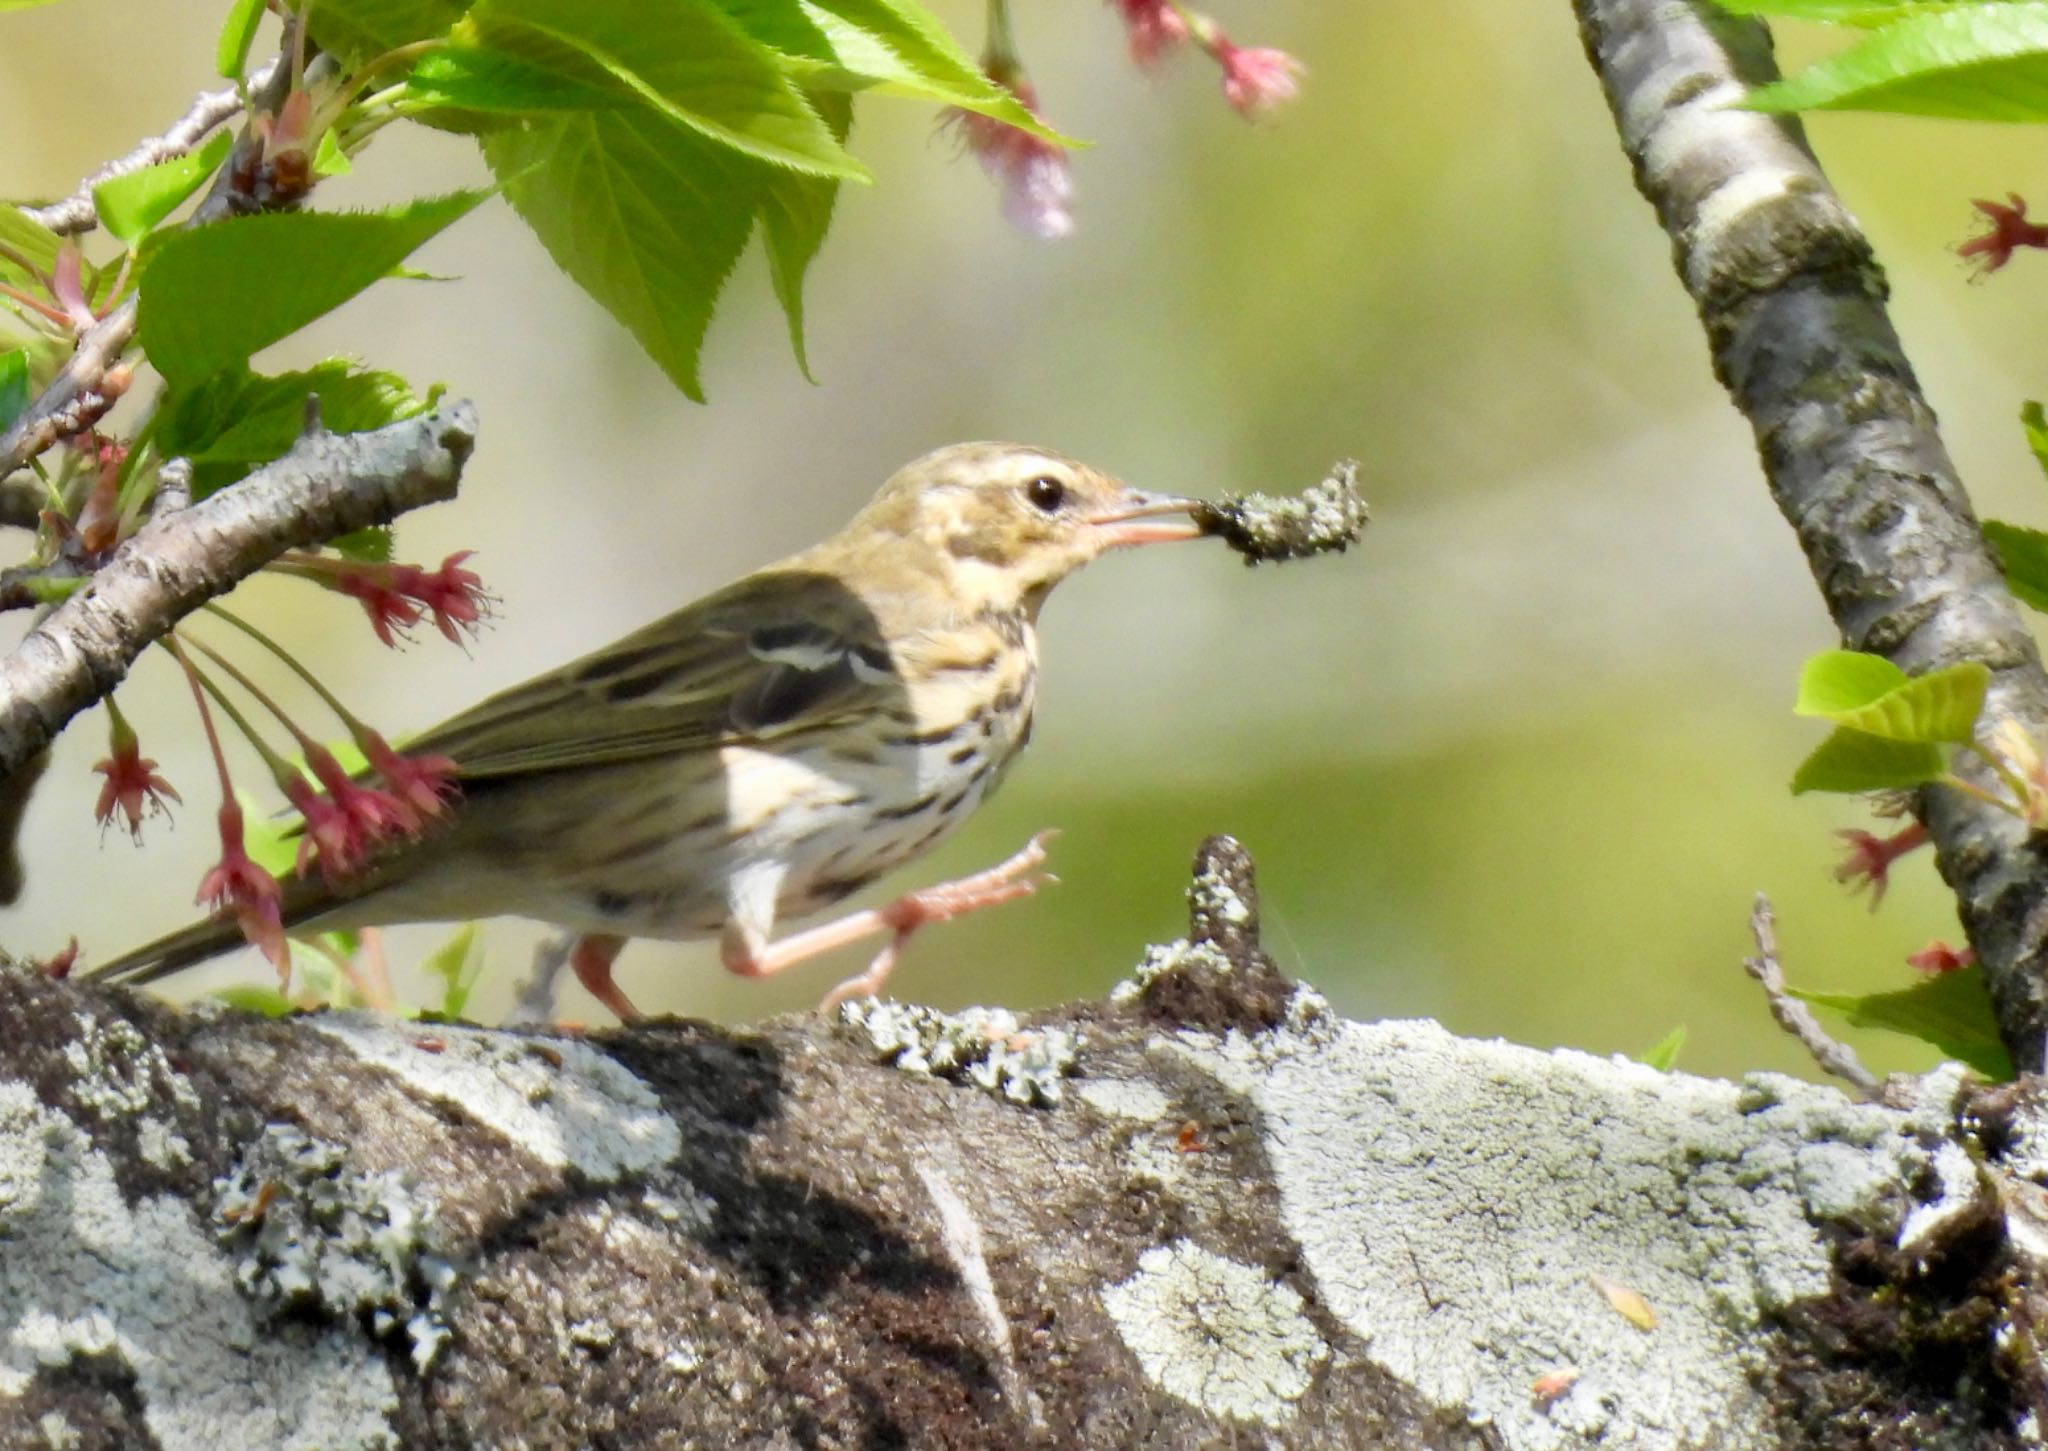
(983, 1046)
(1162, 958)
(1328, 516)
(308, 1230)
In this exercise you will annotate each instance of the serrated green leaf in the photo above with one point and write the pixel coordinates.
(647, 218)
(900, 48)
(794, 219)
(131, 205)
(13, 386)
(2024, 554)
(28, 249)
(237, 420)
(457, 963)
(328, 157)
(1836, 681)
(1976, 62)
(360, 30)
(1868, 693)
(1853, 761)
(2036, 425)
(250, 998)
(1950, 1010)
(237, 34)
(1865, 14)
(214, 295)
(683, 60)
(1664, 1052)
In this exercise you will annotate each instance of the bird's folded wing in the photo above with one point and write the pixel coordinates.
(776, 653)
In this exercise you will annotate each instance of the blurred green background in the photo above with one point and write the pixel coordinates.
(1518, 764)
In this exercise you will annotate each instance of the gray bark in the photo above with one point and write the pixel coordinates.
(1793, 307)
(1204, 1213)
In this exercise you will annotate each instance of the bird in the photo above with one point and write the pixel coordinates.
(764, 752)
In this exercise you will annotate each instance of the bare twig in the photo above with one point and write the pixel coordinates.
(328, 485)
(75, 214)
(74, 400)
(1795, 1017)
(1793, 308)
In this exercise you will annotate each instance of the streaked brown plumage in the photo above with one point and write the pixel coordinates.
(766, 751)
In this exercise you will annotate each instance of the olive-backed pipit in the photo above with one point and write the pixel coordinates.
(761, 753)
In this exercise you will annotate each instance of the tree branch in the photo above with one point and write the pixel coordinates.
(76, 215)
(1205, 1214)
(1793, 307)
(328, 485)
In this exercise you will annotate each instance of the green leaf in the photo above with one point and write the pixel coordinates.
(1835, 681)
(1853, 761)
(33, 244)
(214, 295)
(249, 998)
(360, 30)
(1951, 1010)
(648, 219)
(2024, 553)
(13, 386)
(1869, 693)
(1664, 1052)
(457, 963)
(236, 419)
(131, 205)
(1867, 14)
(237, 34)
(900, 48)
(683, 60)
(794, 218)
(2036, 425)
(1977, 62)
(366, 546)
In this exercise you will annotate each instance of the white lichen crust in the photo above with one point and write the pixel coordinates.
(1217, 1334)
(987, 1047)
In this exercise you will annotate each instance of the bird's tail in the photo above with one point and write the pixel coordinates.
(208, 937)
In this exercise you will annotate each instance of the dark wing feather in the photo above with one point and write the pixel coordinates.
(778, 652)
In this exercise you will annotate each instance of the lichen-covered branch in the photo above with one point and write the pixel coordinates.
(328, 485)
(1793, 307)
(1204, 1214)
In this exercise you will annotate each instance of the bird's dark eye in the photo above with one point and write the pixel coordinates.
(1046, 492)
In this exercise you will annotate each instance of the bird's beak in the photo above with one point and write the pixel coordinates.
(1138, 520)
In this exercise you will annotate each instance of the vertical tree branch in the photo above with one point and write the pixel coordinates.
(1793, 307)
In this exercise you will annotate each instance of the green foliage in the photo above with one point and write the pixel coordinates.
(254, 998)
(13, 386)
(236, 420)
(1868, 693)
(6, 5)
(131, 205)
(2024, 554)
(2036, 426)
(28, 249)
(237, 34)
(214, 295)
(1974, 61)
(1890, 726)
(1664, 1052)
(360, 30)
(458, 963)
(1951, 1010)
(1866, 14)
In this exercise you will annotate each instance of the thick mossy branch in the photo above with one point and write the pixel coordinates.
(1793, 307)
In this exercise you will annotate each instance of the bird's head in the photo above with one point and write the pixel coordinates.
(1009, 522)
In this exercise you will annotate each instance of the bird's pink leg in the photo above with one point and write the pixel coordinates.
(743, 951)
(592, 959)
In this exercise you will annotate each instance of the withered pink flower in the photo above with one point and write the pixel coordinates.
(1153, 27)
(1256, 78)
(133, 786)
(2010, 230)
(1037, 191)
(237, 885)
